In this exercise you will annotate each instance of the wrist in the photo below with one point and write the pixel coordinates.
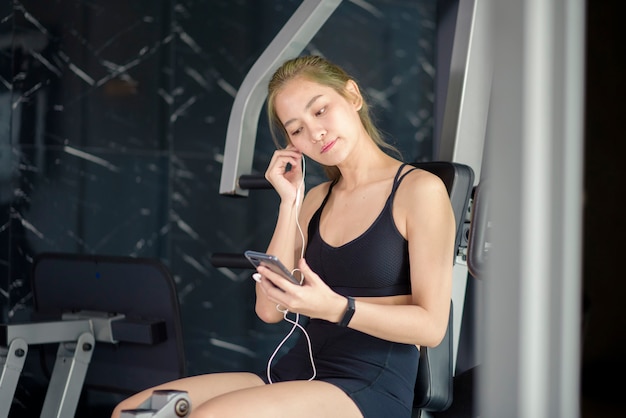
(337, 309)
(348, 312)
(286, 205)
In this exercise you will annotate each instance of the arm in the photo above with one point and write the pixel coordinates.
(430, 230)
(286, 242)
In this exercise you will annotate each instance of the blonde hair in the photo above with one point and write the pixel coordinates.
(321, 71)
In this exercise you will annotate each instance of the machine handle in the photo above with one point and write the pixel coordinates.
(254, 181)
(477, 243)
(232, 260)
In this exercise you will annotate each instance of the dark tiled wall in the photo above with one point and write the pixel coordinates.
(113, 116)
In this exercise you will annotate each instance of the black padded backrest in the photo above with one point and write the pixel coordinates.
(434, 382)
(142, 289)
(459, 181)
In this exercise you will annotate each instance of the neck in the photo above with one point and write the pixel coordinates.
(368, 168)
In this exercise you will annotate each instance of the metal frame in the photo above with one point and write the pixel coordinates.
(76, 338)
(532, 315)
(76, 333)
(244, 117)
(465, 119)
(531, 88)
(469, 89)
(162, 404)
(465, 113)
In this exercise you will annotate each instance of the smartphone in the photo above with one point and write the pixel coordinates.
(272, 262)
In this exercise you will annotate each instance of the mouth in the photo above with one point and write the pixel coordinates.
(328, 146)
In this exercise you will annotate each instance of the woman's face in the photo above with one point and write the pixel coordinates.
(320, 122)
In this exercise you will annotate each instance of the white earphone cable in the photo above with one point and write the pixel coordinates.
(285, 311)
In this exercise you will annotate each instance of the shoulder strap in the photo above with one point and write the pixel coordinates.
(398, 178)
(323, 204)
(330, 188)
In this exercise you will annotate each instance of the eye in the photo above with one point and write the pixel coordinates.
(321, 111)
(296, 132)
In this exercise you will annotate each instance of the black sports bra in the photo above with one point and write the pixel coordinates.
(374, 264)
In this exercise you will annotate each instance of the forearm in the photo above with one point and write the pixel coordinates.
(409, 324)
(282, 245)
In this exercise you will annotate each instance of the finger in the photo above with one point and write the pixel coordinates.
(270, 290)
(293, 155)
(271, 286)
(276, 279)
(293, 151)
(305, 269)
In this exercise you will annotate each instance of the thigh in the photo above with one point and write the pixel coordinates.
(199, 388)
(302, 399)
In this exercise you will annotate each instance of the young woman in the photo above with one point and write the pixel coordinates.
(374, 246)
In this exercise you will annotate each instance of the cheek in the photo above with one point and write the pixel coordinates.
(305, 147)
(301, 144)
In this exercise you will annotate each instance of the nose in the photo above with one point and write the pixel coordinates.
(318, 136)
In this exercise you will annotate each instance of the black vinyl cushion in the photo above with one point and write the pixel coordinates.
(434, 382)
(433, 386)
(142, 289)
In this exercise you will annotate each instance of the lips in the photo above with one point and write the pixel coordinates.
(328, 146)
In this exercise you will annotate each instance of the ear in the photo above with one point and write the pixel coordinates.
(354, 94)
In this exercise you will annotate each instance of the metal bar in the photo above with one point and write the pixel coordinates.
(13, 363)
(469, 88)
(244, 116)
(68, 377)
(465, 118)
(162, 404)
(45, 332)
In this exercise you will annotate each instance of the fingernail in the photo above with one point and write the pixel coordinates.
(257, 277)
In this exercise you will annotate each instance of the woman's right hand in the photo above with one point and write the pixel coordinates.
(285, 173)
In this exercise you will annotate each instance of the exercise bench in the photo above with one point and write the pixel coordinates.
(105, 322)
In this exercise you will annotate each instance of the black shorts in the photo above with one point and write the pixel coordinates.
(378, 375)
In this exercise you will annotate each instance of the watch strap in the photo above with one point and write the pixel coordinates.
(347, 316)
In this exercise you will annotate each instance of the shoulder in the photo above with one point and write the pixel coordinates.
(421, 183)
(422, 195)
(313, 199)
(318, 192)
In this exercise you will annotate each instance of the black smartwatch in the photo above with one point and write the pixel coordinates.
(349, 312)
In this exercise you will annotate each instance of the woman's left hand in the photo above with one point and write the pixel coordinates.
(313, 298)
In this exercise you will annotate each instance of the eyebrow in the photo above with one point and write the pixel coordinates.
(308, 106)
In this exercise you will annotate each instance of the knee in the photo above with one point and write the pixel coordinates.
(116, 412)
(236, 406)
